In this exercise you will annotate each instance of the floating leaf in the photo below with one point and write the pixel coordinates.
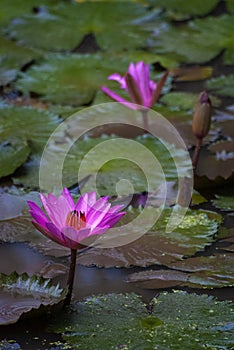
(222, 85)
(13, 153)
(115, 26)
(69, 79)
(179, 9)
(28, 124)
(12, 58)
(192, 73)
(194, 233)
(20, 294)
(215, 271)
(224, 202)
(199, 41)
(177, 321)
(12, 9)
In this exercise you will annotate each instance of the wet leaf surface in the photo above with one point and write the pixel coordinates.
(118, 321)
(115, 26)
(196, 231)
(221, 85)
(224, 203)
(20, 294)
(13, 153)
(214, 271)
(199, 41)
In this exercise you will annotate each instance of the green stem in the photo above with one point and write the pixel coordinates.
(197, 153)
(71, 275)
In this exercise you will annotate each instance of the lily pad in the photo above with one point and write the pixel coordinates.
(222, 85)
(11, 9)
(179, 9)
(115, 26)
(30, 125)
(12, 58)
(21, 294)
(195, 232)
(13, 153)
(224, 202)
(214, 271)
(176, 321)
(199, 41)
(69, 79)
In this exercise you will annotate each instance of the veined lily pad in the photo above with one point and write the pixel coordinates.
(195, 232)
(28, 124)
(222, 85)
(183, 101)
(21, 294)
(10, 9)
(215, 271)
(179, 9)
(69, 79)
(12, 58)
(224, 202)
(13, 153)
(177, 320)
(115, 25)
(199, 41)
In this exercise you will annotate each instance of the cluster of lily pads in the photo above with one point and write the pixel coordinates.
(55, 55)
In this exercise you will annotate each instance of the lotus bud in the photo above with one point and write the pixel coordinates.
(202, 116)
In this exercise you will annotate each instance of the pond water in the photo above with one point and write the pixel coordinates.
(46, 79)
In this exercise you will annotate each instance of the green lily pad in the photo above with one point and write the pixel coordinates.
(179, 9)
(199, 41)
(12, 58)
(111, 163)
(10, 9)
(222, 85)
(224, 202)
(215, 271)
(69, 79)
(230, 6)
(184, 101)
(21, 294)
(115, 25)
(30, 125)
(13, 153)
(192, 235)
(176, 321)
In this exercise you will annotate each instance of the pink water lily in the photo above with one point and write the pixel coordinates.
(137, 83)
(68, 223)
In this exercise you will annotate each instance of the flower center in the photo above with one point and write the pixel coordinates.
(76, 219)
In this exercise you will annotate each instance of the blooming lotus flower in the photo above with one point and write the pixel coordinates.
(68, 223)
(137, 83)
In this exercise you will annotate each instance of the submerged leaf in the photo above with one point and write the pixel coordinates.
(177, 321)
(20, 294)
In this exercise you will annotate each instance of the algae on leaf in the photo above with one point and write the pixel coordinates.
(177, 321)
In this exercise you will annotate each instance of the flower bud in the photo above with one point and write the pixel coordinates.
(202, 116)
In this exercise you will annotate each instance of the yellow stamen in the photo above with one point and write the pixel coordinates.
(76, 220)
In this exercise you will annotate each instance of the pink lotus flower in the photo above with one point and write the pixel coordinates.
(68, 223)
(137, 83)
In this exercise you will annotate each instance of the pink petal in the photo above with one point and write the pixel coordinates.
(97, 213)
(47, 233)
(119, 79)
(69, 198)
(85, 201)
(56, 234)
(73, 237)
(34, 208)
(118, 98)
(111, 220)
